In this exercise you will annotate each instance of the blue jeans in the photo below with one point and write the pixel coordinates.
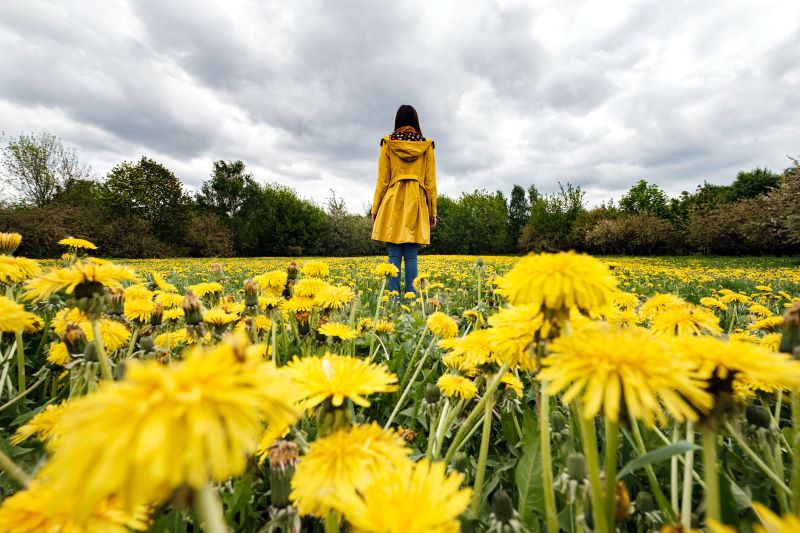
(403, 252)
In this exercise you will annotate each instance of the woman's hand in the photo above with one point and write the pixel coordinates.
(433, 222)
(373, 218)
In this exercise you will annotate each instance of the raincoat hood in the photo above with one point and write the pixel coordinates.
(407, 150)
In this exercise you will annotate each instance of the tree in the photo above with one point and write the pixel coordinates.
(753, 183)
(645, 198)
(148, 191)
(226, 191)
(519, 211)
(552, 219)
(37, 166)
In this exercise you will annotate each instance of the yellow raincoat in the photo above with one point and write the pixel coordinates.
(405, 194)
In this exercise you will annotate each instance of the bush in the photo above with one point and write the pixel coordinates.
(208, 237)
(633, 234)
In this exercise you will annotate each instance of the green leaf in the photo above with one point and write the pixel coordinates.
(657, 456)
(528, 474)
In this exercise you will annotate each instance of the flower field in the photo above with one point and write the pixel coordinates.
(540, 393)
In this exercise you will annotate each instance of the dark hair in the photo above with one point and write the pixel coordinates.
(407, 116)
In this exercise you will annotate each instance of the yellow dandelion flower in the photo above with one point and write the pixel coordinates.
(72, 242)
(410, 296)
(442, 325)
(309, 287)
(416, 498)
(773, 523)
(387, 270)
(337, 330)
(66, 316)
(405, 308)
(138, 310)
(206, 288)
(44, 426)
(348, 459)
(764, 288)
(298, 304)
(514, 330)
(179, 336)
(559, 282)
(138, 291)
(268, 438)
(186, 424)
(169, 300)
(274, 280)
(625, 301)
(454, 386)
(659, 303)
(384, 326)
(686, 319)
(14, 317)
(162, 283)
(9, 242)
(623, 318)
(40, 508)
(771, 341)
(333, 297)
(512, 382)
(772, 324)
(58, 354)
(713, 303)
(172, 315)
(270, 301)
(608, 367)
(84, 274)
(113, 334)
(735, 297)
(315, 269)
(219, 317)
(364, 325)
(17, 269)
(258, 323)
(338, 377)
(760, 310)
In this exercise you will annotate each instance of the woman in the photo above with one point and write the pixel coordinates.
(404, 206)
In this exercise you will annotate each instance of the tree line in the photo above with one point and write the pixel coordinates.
(141, 209)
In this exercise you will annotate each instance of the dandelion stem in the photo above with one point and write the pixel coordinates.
(377, 313)
(22, 394)
(551, 513)
(795, 507)
(332, 523)
(686, 504)
(610, 471)
(105, 368)
(475, 413)
(593, 466)
(14, 471)
(273, 342)
(779, 483)
(663, 504)
(407, 388)
(210, 509)
(20, 361)
(483, 455)
(673, 468)
(437, 437)
(713, 509)
(413, 357)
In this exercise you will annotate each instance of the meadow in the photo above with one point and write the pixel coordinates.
(538, 393)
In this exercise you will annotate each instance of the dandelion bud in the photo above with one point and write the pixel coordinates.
(282, 461)
(156, 314)
(790, 340)
(645, 502)
(558, 421)
(251, 294)
(758, 416)
(292, 270)
(116, 301)
(192, 311)
(89, 297)
(146, 342)
(432, 393)
(9, 242)
(75, 339)
(90, 352)
(502, 507)
(461, 462)
(576, 466)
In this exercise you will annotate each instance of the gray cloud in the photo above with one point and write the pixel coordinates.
(599, 94)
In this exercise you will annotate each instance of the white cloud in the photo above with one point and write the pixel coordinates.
(598, 93)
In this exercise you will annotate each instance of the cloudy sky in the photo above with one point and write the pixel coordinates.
(598, 93)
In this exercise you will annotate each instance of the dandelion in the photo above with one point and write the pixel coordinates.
(138, 291)
(333, 298)
(760, 311)
(387, 270)
(315, 269)
(43, 426)
(84, 280)
(348, 459)
(81, 244)
(513, 383)
(774, 523)
(206, 288)
(559, 282)
(9, 242)
(15, 270)
(173, 315)
(442, 325)
(686, 320)
(298, 304)
(410, 295)
(338, 377)
(138, 310)
(416, 498)
(168, 300)
(273, 281)
(339, 331)
(659, 303)
(364, 325)
(40, 508)
(113, 334)
(14, 317)
(624, 369)
(309, 287)
(454, 386)
(186, 424)
(384, 326)
(58, 354)
(219, 318)
(514, 330)
(735, 297)
(771, 324)
(625, 301)
(162, 284)
(713, 303)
